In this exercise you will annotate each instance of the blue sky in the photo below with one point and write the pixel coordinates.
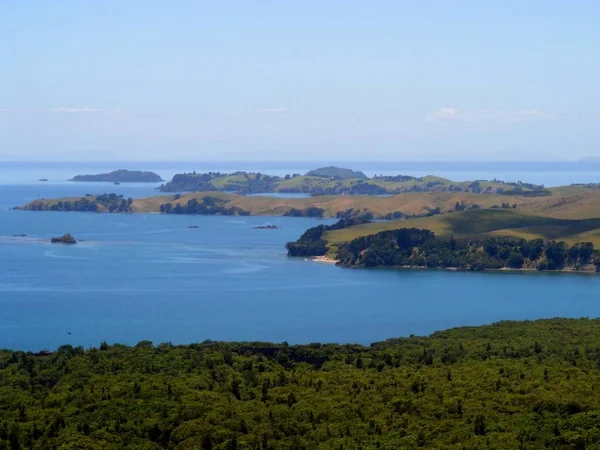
(279, 80)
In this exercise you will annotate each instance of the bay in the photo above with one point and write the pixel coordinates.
(136, 277)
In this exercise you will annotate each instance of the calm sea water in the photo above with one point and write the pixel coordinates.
(136, 277)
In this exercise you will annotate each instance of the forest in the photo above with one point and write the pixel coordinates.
(420, 248)
(511, 385)
(208, 206)
(311, 211)
(90, 203)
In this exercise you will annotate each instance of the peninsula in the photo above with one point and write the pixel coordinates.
(121, 176)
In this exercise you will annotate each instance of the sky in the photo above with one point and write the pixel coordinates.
(299, 80)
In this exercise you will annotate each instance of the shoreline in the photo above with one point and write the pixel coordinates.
(324, 259)
(456, 269)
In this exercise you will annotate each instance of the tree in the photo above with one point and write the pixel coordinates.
(515, 260)
(479, 425)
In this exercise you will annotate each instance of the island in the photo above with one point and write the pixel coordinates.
(43, 180)
(339, 181)
(120, 176)
(266, 227)
(336, 173)
(64, 239)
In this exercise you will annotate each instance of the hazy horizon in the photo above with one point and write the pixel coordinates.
(323, 161)
(313, 81)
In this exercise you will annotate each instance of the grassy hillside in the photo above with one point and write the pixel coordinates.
(511, 385)
(567, 203)
(482, 223)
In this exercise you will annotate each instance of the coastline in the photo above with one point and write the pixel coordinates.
(324, 259)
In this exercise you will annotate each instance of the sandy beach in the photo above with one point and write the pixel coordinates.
(324, 259)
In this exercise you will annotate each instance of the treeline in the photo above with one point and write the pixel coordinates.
(207, 206)
(311, 211)
(396, 178)
(358, 187)
(420, 248)
(239, 182)
(368, 216)
(511, 385)
(115, 202)
(587, 185)
(311, 243)
(89, 203)
(522, 193)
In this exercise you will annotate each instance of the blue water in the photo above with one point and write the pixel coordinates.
(549, 173)
(136, 277)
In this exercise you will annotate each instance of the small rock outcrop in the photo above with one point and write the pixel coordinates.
(266, 227)
(64, 239)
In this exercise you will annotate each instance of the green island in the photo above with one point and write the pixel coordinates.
(121, 176)
(338, 181)
(510, 385)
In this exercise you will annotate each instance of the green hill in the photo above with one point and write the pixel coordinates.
(476, 224)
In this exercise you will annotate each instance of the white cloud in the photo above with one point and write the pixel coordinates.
(277, 110)
(443, 114)
(59, 110)
(446, 115)
(72, 110)
(536, 113)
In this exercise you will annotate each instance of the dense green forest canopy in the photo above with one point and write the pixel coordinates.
(90, 203)
(511, 385)
(420, 248)
(207, 206)
(121, 176)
